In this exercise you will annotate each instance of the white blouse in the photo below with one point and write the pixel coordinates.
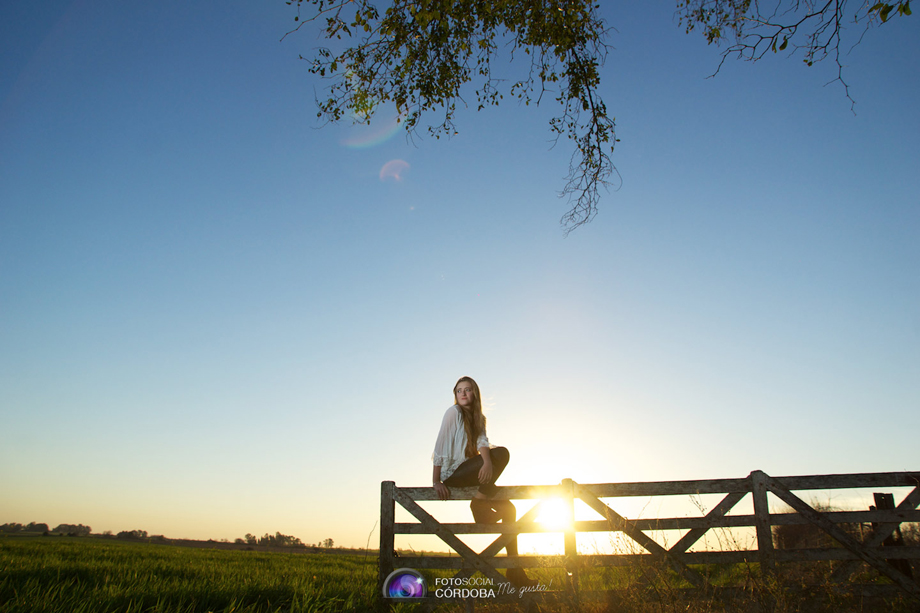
(450, 448)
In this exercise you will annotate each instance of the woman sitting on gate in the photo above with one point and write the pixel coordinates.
(463, 458)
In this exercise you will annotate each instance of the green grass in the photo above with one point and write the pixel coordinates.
(42, 575)
(92, 575)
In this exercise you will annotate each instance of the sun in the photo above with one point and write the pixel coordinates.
(555, 515)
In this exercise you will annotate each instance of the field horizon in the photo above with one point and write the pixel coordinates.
(109, 575)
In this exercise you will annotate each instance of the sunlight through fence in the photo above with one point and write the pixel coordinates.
(849, 552)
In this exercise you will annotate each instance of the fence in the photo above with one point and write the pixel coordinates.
(847, 550)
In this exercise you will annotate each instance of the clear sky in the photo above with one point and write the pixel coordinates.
(217, 317)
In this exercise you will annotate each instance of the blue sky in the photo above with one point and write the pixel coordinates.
(218, 317)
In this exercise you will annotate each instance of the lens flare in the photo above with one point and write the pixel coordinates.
(394, 170)
(367, 136)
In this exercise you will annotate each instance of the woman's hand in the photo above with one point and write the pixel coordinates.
(442, 490)
(438, 485)
(485, 473)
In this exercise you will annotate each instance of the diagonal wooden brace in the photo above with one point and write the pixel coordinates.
(499, 543)
(867, 555)
(883, 531)
(878, 535)
(448, 537)
(719, 511)
(618, 522)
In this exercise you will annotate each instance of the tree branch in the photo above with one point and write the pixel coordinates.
(421, 54)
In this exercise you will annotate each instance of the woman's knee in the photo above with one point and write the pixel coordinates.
(500, 455)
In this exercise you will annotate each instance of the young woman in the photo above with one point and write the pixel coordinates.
(463, 458)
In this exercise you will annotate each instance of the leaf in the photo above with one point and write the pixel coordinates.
(785, 42)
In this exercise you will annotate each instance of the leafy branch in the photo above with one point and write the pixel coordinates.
(421, 54)
(813, 28)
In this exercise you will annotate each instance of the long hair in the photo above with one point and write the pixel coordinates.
(474, 422)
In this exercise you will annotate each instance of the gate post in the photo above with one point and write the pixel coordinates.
(571, 549)
(762, 523)
(885, 502)
(387, 539)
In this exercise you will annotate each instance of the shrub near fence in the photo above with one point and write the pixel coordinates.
(847, 550)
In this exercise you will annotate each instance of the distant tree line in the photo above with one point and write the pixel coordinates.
(35, 527)
(280, 540)
(68, 530)
(276, 540)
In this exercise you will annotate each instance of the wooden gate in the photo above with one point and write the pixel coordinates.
(852, 553)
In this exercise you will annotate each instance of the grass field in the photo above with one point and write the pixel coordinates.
(85, 575)
(91, 575)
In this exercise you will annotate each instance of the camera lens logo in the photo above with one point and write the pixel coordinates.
(405, 583)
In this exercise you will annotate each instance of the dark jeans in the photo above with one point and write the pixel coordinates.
(467, 474)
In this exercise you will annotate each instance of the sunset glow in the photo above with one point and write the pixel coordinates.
(555, 514)
(220, 315)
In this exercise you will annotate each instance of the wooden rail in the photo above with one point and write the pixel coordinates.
(758, 484)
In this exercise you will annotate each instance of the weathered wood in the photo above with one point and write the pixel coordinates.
(515, 528)
(848, 481)
(896, 516)
(726, 486)
(666, 488)
(675, 523)
(869, 556)
(501, 542)
(568, 497)
(456, 544)
(500, 561)
(885, 501)
(904, 512)
(762, 522)
(840, 553)
(649, 544)
(509, 561)
(715, 515)
(569, 537)
(507, 492)
(881, 531)
(679, 555)
(387, 543)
